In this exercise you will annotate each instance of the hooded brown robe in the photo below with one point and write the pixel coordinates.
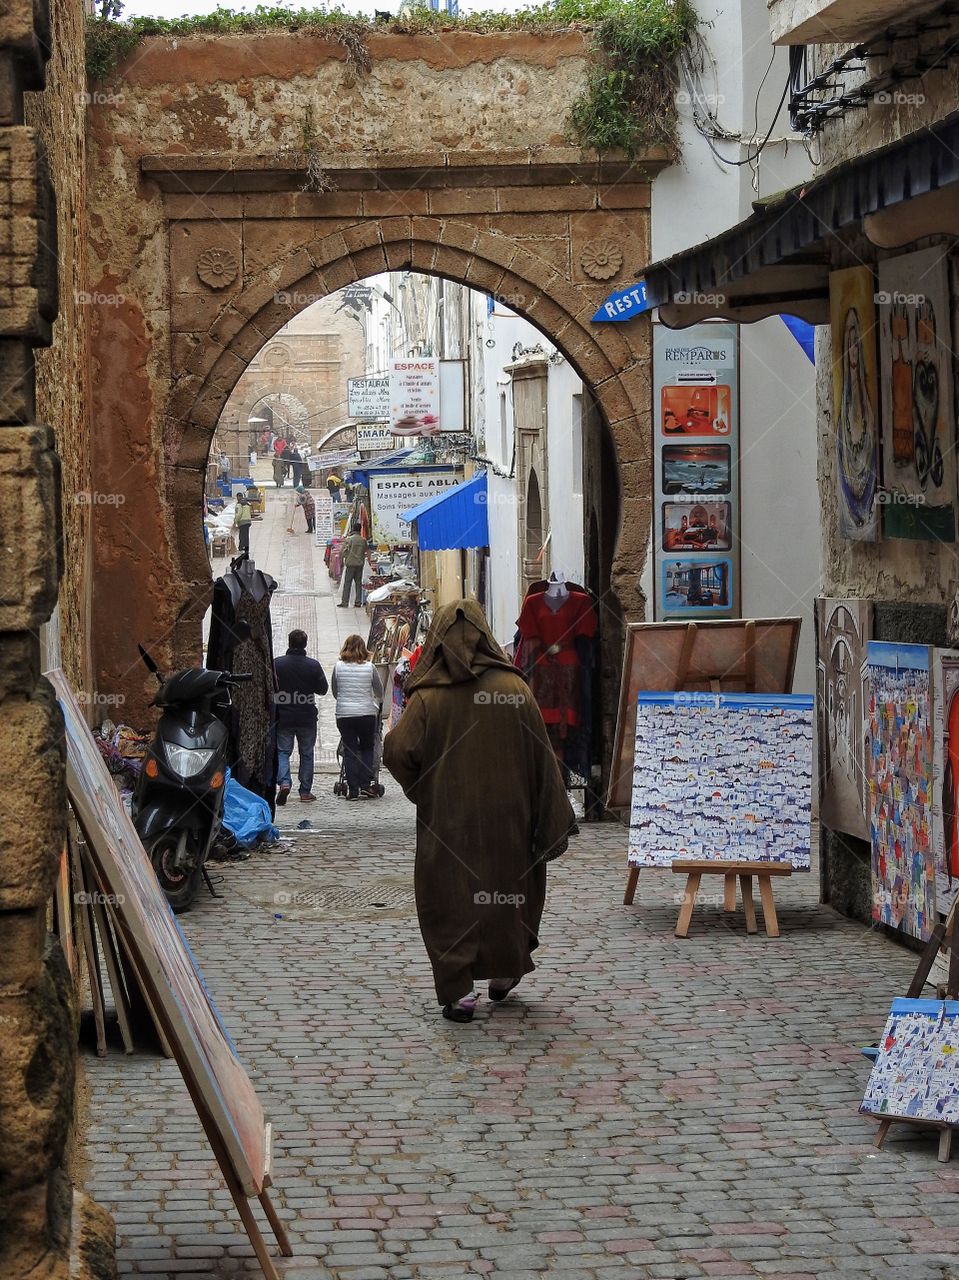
(472, 753)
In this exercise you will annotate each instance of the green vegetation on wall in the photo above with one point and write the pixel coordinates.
(628, 102)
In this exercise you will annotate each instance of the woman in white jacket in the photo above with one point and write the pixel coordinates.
(358, 691)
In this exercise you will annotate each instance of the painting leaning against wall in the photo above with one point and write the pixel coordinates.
(843, 629)
(915, 346)
(945, 772)
(899, 772)
(855, 381)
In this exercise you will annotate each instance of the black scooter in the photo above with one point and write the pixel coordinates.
(178, 802)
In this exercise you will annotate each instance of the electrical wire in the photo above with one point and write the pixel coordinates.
(749, 160)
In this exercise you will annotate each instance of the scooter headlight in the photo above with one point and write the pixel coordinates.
(187, 761)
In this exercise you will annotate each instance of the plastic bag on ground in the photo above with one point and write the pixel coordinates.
(247, 816)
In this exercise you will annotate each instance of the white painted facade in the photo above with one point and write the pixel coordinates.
(779, 530)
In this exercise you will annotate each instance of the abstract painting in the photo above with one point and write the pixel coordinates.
(915, 346)
(899, 772)
(843, 629)
(721, 776)
(916, 1073)
(945, 774)
(855, 398)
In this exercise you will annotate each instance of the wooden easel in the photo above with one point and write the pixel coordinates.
(730, 871)
(747, 678)
(945, 929)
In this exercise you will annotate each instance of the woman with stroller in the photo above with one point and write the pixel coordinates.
(358, 691)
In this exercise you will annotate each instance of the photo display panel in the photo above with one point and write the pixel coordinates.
(696, 471)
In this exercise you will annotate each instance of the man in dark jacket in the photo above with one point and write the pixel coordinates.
(298, 679)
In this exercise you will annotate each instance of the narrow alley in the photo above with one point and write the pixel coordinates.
(643, 1106)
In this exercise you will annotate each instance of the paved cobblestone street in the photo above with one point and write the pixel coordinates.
(642, 1106)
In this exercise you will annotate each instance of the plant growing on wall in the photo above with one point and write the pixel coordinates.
(627, 103)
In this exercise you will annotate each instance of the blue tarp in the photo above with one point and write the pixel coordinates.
(246, 816)
(454, 519)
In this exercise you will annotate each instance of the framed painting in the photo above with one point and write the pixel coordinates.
(916, 1072)
(916, 357)
(899, 773)
(855, 400)
(945, 774)
(843, 630)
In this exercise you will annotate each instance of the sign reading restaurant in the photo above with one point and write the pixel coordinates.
(368, 398)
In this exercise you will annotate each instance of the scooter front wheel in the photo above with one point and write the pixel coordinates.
(179, 885)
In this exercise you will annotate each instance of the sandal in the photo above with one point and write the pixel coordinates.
(498, 992)
(462, 1010)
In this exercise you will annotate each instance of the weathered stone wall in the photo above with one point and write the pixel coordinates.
(58, 115)
(446, 157)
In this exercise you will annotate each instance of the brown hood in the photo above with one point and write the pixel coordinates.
(458, 647)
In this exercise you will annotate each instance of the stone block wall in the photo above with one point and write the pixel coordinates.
(40, 145)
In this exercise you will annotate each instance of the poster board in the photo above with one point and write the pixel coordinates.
(394, 492)
(843, 630)
(722, 778)
(756, 655)
(916, 1072)
(369, 400)
(415, 397)
(148, 929)
(916, 358)
(899, 770)
(855, 399)
(696, 471)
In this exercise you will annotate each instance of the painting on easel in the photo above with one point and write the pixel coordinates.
(945, 773)
(723, 777)
(900, 780)
(916, 1072)
(843, 629)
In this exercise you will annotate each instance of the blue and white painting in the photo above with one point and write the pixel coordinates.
(916, 1072)
(726, 777)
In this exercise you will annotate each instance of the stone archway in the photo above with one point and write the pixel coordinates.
(206, 239)
(613, 366)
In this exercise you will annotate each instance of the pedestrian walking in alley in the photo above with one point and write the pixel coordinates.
(333, 483)
(298, 680)
(354, 558)
(304, 500)
(279, 471)
(242, 519)
(472, 753)
(358, 691)
(299, 467)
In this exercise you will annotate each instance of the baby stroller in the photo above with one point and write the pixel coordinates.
(340, 787)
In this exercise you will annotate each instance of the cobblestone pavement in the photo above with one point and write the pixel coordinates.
(642, 1106)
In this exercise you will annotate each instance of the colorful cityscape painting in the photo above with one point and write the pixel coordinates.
(945, 774)
(899, 769)
(721, 776)
(916, 1073)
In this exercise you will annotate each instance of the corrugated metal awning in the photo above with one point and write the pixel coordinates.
(454, 519)
(778, 260)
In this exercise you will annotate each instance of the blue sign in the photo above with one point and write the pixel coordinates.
(623, 305)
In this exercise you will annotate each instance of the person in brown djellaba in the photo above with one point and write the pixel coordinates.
(472, 753)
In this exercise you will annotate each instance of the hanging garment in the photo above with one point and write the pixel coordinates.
(556, 650)
(253, 745)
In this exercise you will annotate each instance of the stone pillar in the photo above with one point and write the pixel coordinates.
(38, 1031)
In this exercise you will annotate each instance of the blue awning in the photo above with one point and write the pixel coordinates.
(361, 471)
(454, 519)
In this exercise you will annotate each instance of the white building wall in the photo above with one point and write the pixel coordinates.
(694, 200)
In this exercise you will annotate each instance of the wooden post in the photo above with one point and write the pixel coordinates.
(729, 893)
(689, 901)
(749, 907)
(769, 906)
(631, 883)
